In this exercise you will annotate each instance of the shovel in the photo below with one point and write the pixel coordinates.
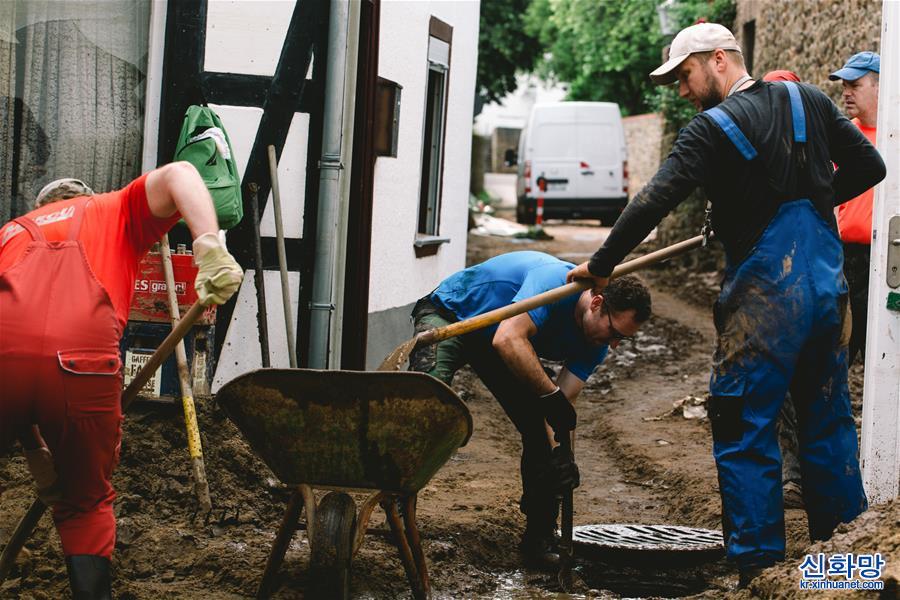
(30, 520)
(399, 356)
(195, 448)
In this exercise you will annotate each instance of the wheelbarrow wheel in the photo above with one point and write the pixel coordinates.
(331, 547)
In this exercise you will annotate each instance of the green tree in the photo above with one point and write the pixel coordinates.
(504, 47)
(603, 49)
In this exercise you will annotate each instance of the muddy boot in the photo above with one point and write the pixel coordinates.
(539, 550)
(540, 546)
(89, 577)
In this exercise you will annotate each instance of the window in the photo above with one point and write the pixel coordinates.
(749, 39)
(433, 133)
(72, 77)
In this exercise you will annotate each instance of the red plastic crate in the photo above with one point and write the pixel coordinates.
(151, 300)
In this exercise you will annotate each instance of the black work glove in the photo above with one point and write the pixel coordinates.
(559, 412)
(564, 473)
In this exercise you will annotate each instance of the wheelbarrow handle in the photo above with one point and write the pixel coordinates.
(31, 518)
(432, 336)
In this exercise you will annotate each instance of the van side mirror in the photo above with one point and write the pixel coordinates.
(510, 157)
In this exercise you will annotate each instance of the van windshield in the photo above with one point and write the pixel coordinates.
(593, 143)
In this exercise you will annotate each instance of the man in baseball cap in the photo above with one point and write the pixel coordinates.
(859, 78)
(702, 37)
(859, 65)
(707, 62)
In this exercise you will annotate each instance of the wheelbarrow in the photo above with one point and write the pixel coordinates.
(385, 433)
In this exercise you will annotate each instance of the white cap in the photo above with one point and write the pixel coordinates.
(702, 37)
(62, 189)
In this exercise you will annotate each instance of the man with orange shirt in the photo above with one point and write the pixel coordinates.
(859, 76)
(67, 273)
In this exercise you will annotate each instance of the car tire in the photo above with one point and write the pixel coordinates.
(522, 216)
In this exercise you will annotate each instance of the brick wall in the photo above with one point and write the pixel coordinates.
(643, 134)
(810, 37)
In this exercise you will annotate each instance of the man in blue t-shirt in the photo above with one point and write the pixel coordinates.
(577, 331)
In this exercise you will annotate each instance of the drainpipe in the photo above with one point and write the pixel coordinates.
(322, 305)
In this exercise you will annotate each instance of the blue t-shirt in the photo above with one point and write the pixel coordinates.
(511, 277)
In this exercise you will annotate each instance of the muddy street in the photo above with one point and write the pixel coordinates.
(641, 461)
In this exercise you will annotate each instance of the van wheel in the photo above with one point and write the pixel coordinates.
(609, 221)
(522, 217)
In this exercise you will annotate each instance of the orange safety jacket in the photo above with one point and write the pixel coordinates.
(854, 218)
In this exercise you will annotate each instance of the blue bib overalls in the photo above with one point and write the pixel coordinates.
(779, 320)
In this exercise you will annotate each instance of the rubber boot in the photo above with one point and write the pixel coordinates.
(539, 546)
(89, 577)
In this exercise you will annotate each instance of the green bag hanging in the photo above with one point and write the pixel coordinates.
(204, 143)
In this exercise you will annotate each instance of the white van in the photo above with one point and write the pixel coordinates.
(577, 149)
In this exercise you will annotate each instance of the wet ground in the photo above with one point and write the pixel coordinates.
(640, 460)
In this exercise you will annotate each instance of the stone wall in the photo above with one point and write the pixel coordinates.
(643, 134)
(810, 37)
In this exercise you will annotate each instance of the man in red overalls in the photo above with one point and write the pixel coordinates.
(67, 273)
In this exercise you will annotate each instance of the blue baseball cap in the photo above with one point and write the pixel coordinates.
(857, 66)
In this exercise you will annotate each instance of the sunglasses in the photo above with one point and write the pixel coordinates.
(615, 333)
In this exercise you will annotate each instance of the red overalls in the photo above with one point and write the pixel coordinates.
(60, 369)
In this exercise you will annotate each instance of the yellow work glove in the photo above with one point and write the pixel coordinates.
(219, 276)
(40, 464)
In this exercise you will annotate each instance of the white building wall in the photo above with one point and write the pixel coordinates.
(397, 277)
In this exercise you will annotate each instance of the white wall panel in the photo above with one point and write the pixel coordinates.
(397, 276)
(291, 181)
(245, 36)
(240, 353)
(241, 123)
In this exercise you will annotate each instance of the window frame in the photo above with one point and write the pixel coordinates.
(428, 219)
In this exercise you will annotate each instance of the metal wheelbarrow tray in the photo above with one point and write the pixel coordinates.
(384, 432)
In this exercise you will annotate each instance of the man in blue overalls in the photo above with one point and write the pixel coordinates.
(763, 153)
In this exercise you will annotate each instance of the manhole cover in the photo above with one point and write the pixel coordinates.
(667, 543)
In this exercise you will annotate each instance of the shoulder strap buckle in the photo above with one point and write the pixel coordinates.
(706, 231)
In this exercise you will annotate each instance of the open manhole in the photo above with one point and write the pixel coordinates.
(664, 545)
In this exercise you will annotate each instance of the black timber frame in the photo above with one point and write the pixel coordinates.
(362, 177)
(288, 91)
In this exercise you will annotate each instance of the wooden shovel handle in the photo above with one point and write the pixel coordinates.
(433, 336)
